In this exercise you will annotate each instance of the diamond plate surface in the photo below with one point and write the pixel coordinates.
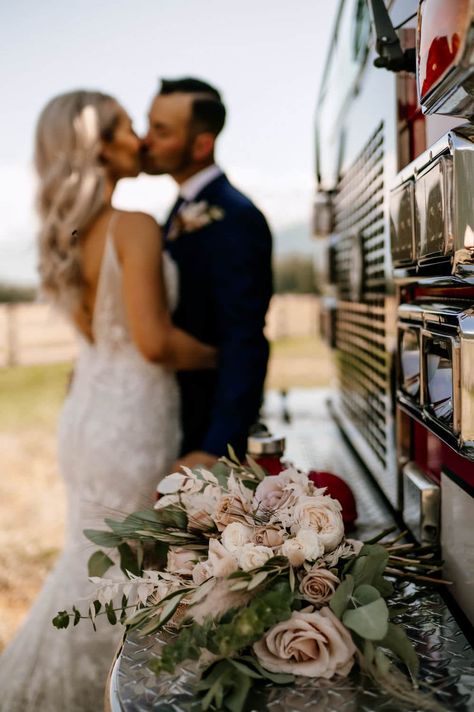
(447, 659)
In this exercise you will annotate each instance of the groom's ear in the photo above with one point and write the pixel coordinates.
(203, 146)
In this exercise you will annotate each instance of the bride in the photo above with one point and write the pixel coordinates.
(119, 428)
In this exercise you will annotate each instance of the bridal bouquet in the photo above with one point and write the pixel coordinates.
(252, 576)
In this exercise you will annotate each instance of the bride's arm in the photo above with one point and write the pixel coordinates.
(139, 247)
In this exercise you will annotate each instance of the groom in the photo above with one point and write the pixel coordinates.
(222, 246)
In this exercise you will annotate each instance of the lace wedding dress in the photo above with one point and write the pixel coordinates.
(118, 435)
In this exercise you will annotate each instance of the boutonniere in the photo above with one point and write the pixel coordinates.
(194, 216)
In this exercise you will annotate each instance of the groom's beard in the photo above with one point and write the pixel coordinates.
(173, 165)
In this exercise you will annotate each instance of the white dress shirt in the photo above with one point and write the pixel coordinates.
(193, 185)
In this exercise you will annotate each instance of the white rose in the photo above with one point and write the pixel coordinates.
(294, 552)
(222, 562)
(235, 535)
(323, 515)
(252, 557)
(310, 643)
(311, 544)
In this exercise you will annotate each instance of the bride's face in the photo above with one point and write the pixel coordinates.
(121, 154)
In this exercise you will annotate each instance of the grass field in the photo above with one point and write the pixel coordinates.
(32, 506)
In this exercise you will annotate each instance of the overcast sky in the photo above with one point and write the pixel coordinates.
(266, 56)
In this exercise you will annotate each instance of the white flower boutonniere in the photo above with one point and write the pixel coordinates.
(194, 216)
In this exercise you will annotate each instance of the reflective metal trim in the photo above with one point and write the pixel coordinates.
(421, 499)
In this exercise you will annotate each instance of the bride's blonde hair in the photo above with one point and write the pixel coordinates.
(71, 190)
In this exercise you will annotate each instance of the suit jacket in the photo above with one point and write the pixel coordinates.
(225, 289)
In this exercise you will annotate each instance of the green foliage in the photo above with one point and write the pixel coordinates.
(61, 620)
(14, 293)
(99, 563)
(294, 273)
(129, 561)
(369, 621)
(397, 641)
(227, 638)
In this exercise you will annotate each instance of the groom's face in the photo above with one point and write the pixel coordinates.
(168, 144)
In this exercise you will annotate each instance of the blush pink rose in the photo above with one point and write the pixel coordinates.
(310, 643)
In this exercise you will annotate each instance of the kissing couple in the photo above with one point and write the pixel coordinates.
(172, 355)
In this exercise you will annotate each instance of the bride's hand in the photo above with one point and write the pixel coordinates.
(210, 356)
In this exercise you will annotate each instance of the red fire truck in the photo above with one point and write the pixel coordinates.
(394, 222)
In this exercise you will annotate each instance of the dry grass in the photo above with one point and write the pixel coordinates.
(32, 505)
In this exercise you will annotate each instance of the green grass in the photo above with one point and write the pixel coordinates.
(32, 395)
(300, 347)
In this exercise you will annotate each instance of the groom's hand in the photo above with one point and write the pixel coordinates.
(194, 459)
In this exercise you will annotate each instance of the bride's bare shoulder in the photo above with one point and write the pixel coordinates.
(136, 231)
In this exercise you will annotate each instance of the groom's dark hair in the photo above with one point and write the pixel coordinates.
(208, 113)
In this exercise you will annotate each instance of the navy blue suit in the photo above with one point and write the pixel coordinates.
(225, 288)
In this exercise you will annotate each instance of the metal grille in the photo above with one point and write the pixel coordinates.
(364, 364)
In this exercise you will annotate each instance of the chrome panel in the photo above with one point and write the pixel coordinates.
(421, 511)
(443, 226)
(453, 322)
(434, 210)
(426, 338)
(457, 542)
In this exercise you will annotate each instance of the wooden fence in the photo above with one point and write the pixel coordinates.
(36, 333)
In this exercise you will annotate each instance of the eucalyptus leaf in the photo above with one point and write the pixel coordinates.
(382, 663)
(370, 621)
(342, 596)
(365, 594)
(397, 641)
(370, 564)
(99, 563)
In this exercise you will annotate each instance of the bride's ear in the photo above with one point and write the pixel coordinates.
(203, 146)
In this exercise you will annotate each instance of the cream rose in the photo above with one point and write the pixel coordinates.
(230, 508)
(181, 561)
(252, 557)
(294, 551)
(235, 535)
(323, 515)
(268, 536)
(310, 643)
(318, 585)
(311, 542)
(221, 561)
